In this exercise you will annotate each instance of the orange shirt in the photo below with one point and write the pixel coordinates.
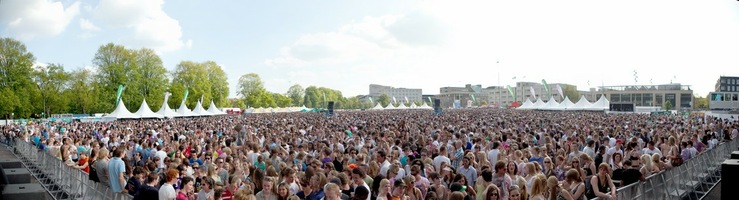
(82, 161)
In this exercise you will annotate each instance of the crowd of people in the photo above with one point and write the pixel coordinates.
(404, 154)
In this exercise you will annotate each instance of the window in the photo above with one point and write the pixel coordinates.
(723, 88)
(723, 80)
(686, 100)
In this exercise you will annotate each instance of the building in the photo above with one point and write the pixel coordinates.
(727, 84)
(400, 94)
(726, 96)
(467, 96)
(679, 96)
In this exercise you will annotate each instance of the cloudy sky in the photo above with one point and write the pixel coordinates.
(349, 44)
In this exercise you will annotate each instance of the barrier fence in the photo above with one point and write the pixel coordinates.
(692, 180)
(62, 181)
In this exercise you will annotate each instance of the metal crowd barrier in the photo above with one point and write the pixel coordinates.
(692, 180)
(61, 181)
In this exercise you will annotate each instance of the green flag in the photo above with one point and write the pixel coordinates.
(431, 102)
(118, 95)
(510, 90)
(546, 87)
(187, 91)
(371, 102)
(473, 98)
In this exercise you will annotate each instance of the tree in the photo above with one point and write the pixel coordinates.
(16, 65)
(151, 78)
(81, 86)
(115, 66)
(282, 101)
(52, 81)
(9, 102)
(571, 92)
(311, 98)
(296, 93)
(188, 76)
(218, 83)
(384, 100)
(668, 105)
(700, 103)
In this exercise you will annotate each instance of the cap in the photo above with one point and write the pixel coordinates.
(352, 166)
(619, 141)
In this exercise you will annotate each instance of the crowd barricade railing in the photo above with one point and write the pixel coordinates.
(693, 179)
(62, 181)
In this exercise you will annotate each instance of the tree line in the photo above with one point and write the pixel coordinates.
(30, 90)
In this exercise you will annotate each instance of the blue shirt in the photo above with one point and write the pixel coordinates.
(115, 167)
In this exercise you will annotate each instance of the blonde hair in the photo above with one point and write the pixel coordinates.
(647, 160)
(530, 169)
(539, 185)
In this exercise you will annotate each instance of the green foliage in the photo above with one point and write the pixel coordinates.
(296, 93)
(571, 92)
(52, 81)
(188, 76)
(700, 103)
(282, 100)
(384, 100)
(151, 80)
(668, 105)
(81, 86)
(9, 101)
(218, 84)
(16, 66)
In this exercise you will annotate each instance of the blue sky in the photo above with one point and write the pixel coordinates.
(348, 45)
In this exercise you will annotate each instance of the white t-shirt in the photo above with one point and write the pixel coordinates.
(493, 156)
(161, 154)
(385, 166)
(650, 152)
(440, 159)
(167, 192)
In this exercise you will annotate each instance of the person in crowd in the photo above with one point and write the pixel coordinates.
(167, 191)
(601, 184)
(574, 184)
(148, 190)
(187, 185)
(491, 193)
(269, 191)
(117, 171)
(206, 191)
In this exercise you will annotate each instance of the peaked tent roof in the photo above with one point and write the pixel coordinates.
(184, 111)
(390, 106)
(538, 104)
(413, 105)
(565, 104)
(121, 112)
(425, 106)
(551, 104)
(402, 106)
(582, 104)
(378, 107)
(526, 105)
(145, 112)
(601, 104)
(200, 111)
(165, 111)
(212, 109)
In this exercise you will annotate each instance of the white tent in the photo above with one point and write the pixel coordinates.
(565, 104)
(184, 111)
(551, 104)
(413, 106)
(526, 105)
(538, 104)
(377, 107)
(212, 109)
(390, 106)
(582, 104)
(601, 104)
(121, 112)
(402, 106)
(165, 111)
(145, 111)
(425, 106)
(200, 111)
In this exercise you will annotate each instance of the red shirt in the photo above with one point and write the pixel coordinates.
(82, 161)
(227, 195)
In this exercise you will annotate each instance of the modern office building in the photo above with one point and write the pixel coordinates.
(467, 96)
(727, 84)
(400, 94)
(726, 96)
(679, 96)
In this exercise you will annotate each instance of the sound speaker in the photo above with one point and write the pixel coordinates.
(330, 108)
(729, 172)
(437, 106)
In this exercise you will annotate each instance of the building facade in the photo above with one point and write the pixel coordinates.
(400, 94)
(679, 96)
(727, 84)
(467, 96)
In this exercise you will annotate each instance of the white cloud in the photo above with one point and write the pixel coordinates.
(453, 43)
(87, 25)
(150, 25)
(27, 19)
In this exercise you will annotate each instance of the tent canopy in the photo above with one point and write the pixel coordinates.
(145, 111)
(121, 112)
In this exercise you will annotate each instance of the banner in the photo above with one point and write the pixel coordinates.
(510, 91)
(406, 100)
(559, 89)
(187, 92)
(546, 87)
(431, 102)
(533, 93)
(394, 100)
(371, 102)
(118, 94)
(473, 98)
